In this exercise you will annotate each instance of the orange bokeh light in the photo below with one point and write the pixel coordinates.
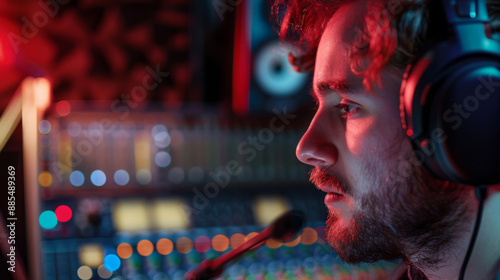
(124, 250)
(273, 244)
(184, 245)
(164, 246)
(145, 247)
(293, 243)
(220, 243)
(309, 236)
(237, 239)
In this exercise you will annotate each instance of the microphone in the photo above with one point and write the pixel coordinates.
(283, 228)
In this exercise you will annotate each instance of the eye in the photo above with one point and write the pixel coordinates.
(346, 109)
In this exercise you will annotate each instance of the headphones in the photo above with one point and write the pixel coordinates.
(450, 96)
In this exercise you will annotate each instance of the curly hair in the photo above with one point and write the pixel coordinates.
(394, 32)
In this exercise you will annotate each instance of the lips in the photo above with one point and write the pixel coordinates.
(332, 194)
(332, 197)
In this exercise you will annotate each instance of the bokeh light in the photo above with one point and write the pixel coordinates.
(63, 213)
(124, 250)
(84, 272)
(163, 159)
(48, 219)
(44, 127)
(309, 236)
(202, 243)
(112, 262)
(76, 178)
(121, 177)
(176, 175)
(164, 246)
(63, 108)
(184, 245)
(145, 247)
(273, 244)
(103, 272)
(160, 136)
(98, 178)
(45, 179)
(143, 176)
(220, 243)
(293, 243)
(237, 239)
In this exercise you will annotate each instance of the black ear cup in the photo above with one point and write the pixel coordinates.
(460, 140)
(450, 107)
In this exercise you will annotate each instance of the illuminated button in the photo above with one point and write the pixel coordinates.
(163, 159)
(48, 219)
(44, 127)
(145, 247)
(143, 176)
(45, 179)
(124, 250)
(98, 178)
(76, 178)
(63, 213)
(164, 246)
(237, 239)
(121, 177)
(112, 262)
(184, 245)
(202, 243)
(220, 243)
(103, 272)
(309, 236)
(84, 272)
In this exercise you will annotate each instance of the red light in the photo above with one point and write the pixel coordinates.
(63, 108)
(63, 213)
(424, 143)
(409, 132)
(202, 243)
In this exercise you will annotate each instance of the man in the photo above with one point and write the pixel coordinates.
(359, 50)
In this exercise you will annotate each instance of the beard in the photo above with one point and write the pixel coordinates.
(412, 216)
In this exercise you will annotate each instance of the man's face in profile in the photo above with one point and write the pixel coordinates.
(356, 143)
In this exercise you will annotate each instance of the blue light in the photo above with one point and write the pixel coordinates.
(48, 219)
(121, 177)
(112, 262)
(76, 178)
(44, 127)
(163, 159)
(98, 178)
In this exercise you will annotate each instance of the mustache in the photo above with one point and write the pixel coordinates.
(320, 177)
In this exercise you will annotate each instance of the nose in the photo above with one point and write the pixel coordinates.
(317, 146)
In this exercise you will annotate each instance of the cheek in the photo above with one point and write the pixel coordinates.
(370, 136)
(361, 136)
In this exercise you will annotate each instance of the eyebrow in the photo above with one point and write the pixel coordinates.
(323, 87)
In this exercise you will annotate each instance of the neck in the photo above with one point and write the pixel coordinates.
(484, 262)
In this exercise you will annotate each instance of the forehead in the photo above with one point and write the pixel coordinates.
(342, 30)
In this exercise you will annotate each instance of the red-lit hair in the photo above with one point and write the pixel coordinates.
(394, 30)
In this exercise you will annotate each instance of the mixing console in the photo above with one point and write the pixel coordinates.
(151, 195)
